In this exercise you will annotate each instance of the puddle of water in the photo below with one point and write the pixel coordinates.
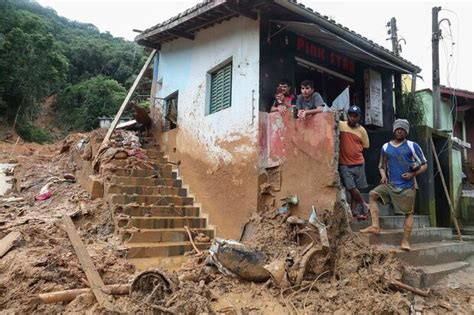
(168, 263)
(5, 181)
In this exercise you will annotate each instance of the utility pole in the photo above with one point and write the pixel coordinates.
(436, 34)
(394, 35)
(397, 77)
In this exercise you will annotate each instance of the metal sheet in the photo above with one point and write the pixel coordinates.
(331, 40)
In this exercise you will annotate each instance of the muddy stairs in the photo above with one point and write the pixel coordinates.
(151, 209)
(435, 251)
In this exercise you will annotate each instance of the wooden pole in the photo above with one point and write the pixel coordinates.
(69, 295)
(453, 215)
(400, 285)
(191, 240)
(127, 99)
(92, 275)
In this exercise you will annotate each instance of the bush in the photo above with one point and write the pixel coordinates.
(411, 108)
(30, 133)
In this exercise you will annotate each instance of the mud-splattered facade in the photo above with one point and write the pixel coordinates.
(230, 156)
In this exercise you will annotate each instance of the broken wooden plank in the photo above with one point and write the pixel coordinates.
(402, 286)
(8, 242)
(69, 295)
(92, 275)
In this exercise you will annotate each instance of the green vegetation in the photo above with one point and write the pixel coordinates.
(411, 108)
(42, 53)
(80, 104)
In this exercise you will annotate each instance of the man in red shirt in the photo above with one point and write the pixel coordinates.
(284, 99)
(353, 139)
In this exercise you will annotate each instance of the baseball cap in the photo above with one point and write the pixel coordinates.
(354, 109)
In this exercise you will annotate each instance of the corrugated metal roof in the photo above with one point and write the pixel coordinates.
(349, 30)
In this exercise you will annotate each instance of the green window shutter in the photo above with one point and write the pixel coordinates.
(221, 89)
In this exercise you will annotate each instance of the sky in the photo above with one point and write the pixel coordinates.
(367, 18)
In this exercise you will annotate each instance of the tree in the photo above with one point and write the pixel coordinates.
(80, 105)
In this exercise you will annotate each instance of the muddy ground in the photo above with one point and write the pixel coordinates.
(352, 278)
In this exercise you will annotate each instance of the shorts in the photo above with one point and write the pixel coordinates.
(353, 176)
(402, 200)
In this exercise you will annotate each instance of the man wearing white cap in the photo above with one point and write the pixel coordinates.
(400, 161)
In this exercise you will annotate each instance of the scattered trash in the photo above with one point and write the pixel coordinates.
(202, 238)
(454, 285)
(277, 270)
(235, 259)
(45, 193)
(295, 220)
(153, 284)
(283, 210)
(313, 220)
(291, 200)
(13, 199)
(69, 178)
(138, 153)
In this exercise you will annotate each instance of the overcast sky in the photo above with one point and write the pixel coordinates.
(366, 18)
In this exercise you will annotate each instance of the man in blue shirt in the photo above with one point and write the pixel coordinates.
(400, 161)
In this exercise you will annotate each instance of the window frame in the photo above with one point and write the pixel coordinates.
(214, 71)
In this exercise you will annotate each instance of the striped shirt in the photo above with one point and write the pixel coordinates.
(352, 141)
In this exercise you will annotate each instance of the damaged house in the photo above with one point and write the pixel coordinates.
(214, 78)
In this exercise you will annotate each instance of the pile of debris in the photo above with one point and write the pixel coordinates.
(282, 264)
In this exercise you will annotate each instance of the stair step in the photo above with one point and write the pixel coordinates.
(435, 253)
(468, 230)
(143, 250)
(423, 235)
(162, 222)
(145, 190)
(164, 171)
(162, 200)
(144, 181)
(426, 276)
(154, 153)
(151, 164)
(161, 235)
(393, 222)
(158, 211)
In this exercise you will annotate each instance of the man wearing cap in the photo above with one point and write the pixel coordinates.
(353, 139)
(400, 161)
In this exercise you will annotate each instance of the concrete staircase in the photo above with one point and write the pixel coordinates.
(435, 252)
(151, 209)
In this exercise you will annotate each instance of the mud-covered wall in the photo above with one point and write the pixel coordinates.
(217, 153)
(298, 157)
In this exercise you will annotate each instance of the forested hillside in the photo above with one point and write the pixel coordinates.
(43, 54)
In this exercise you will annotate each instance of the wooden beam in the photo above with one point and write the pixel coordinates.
(182, 34)
(242, 11)
(69, 295)
(127, 99)
(93, 277)
(446, 192)
(8, 241)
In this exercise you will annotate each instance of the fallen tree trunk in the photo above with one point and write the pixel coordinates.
(69, 295)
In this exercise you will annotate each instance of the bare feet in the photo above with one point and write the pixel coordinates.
(371, 230)
(405, 245)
